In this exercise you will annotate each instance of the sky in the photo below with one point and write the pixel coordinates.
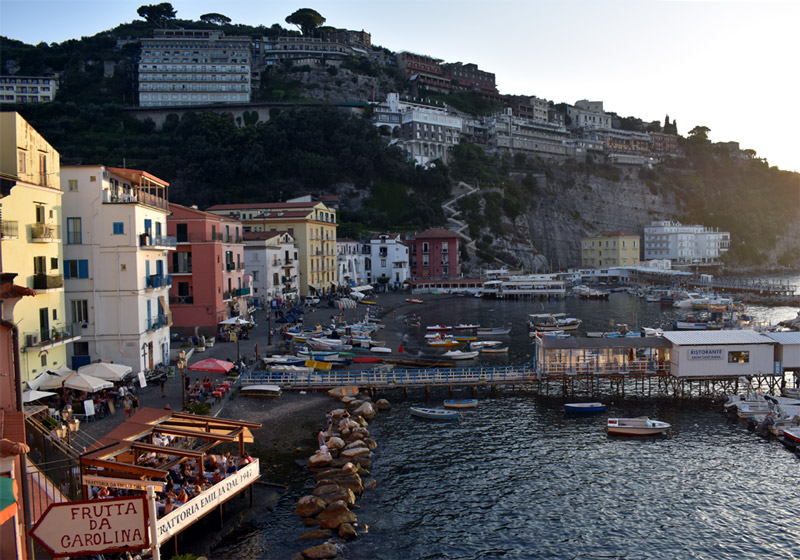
(729, 65)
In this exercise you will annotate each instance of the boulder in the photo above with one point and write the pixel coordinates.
(319, 460)
(355, 403)
(355, 443)
(336, 514)
(363, 462)
(309, 506)
(371, 444)
(349, 468)
(369, 483)
(362, 421)
(310, 522)
(335, 443)
(321, 551)
(350, 481)
(347, 531)
(383, 404)
(331, 493)
(366, 411)
(315, 534)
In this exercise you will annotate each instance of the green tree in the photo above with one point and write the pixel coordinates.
(306, 19)
(699, 133)
(215, 18)
(157, 14)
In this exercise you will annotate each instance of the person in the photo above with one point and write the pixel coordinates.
(218, 477)
(134, 404)
(329, 422)
(127, 406)
(321, 438)
(168, 505)
(162, 381)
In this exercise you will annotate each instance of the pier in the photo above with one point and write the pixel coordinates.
(763, 286)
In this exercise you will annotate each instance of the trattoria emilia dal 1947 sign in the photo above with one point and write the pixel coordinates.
(93, 526)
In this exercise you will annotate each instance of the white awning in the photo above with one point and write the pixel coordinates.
(364, 288)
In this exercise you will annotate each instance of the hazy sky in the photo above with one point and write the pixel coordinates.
(726, 64)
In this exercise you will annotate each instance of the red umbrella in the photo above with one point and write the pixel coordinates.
(212, 365)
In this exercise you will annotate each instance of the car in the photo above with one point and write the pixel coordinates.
(311, 300)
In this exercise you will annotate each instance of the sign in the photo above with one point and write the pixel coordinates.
(705, 353)
(174, 522)
(142, 380)
(124, 483)
(93, 527)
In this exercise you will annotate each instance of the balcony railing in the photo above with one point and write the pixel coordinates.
(57, 335)
(45, 233)
(157, 323)
(48, 281)
(227, 295)
(181, 300)
(158, 280)
(9, 229)
(182, 269)
(242, 292)
(199, 237)
(157, 241)
(139, 196)
(230, 266)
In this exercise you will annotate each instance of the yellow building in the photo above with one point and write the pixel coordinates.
(313, 226)
(610, 248)
(32, 243)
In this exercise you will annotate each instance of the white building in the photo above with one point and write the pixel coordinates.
(28, 89)
(194, 67)
(389, 259)
(684, 244)
(588, 114)
(507, 133)
(271, 260)
(725, 353)
(115, 264)
(352, 261)
(425, 132)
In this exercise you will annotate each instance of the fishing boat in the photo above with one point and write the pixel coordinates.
(495, 350)
(433, 413)
(493, 331)
(344, 391)
(461, 403)
(584, 408)
(443, 342)
(466, 327)
(641, 426)
(552, 322)
(483, 344)
(439, 328)
(261, 391)
(460, 355)
(414, 300)
(465, 338)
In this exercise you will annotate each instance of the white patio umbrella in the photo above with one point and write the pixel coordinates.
(77, 381)
(34, 395)
(236, 321)
(47, 380)
(105, 370)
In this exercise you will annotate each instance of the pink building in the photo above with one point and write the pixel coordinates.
(434, 254)
(208, 279)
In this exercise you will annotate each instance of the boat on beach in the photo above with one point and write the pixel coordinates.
(414, 300)
(433, 413)
(584, 408)
(460, 403)
(260, 391)
(641, 426)
(343, 391)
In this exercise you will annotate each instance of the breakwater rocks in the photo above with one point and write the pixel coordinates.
(341, 473)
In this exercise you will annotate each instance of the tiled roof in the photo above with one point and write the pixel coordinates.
(12, 425)
(436, 233)
(262, 205)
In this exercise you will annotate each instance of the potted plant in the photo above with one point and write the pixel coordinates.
(201, 346)
(209, 340)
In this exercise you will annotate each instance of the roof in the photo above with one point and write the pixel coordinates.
(12, 425)
(134, 174)
(617, 233)
(388, 235)
(264, 205)
(792, 337)
(592, 343)
(282, 214)
(255, 235)
(697, 338)
(435, 233)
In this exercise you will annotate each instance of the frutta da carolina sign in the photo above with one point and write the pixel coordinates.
(93, 526)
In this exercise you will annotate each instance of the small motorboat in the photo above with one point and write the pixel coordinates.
(433, 413)
(493, 331)
(381, 350)
(641, 426)
(260, 391)
(344, 391)
(447, 342)
(439, 328)
(461, 403)
(465, 338)
(318, 365)
(466, 327)
(495, 350)
(584, 408)
(460, 355)
(791, 436)
(414, 300)
(483, 344)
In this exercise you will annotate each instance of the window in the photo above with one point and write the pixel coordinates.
(22, 166)
(119, 228)
(73, 185)
(80, 310)
(76, 269)
(39, 265)
(73, 231)
(739, 357)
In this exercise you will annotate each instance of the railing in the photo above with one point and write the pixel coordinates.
(158, 280)
(227, 296)
(48, 281)
(182, 269)
(45, 232)
(57, 335)
(181, 300)
(159, 241)
(200, 237)
(242, 292)
(157, 323)
(9, 229)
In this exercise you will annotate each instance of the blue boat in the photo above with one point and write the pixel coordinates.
(584, 408)
(461, 403)
(433, 413)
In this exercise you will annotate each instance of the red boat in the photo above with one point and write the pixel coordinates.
(366, 360)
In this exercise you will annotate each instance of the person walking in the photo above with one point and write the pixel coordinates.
(127, 406)
(134, 404)
(162, 381)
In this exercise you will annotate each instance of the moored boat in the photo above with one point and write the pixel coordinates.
(344, 391)
(584, 408)
(477, 345)
(260, 391)
(466, 327)
(460, 403)
(493, 331)
(445, 342)
(641, 426)
(460, 355)
(495, 349)
(552, 322)
(433, 413)
(439, 328)
(414, 300)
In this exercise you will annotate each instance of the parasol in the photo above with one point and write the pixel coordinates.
(106, 370)
(212, 365)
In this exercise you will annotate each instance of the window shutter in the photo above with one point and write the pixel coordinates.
(83, 268)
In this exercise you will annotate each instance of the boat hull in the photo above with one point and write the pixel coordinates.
(433, 413)
(344, 391)
(261, 391)
(636, 427)
(461, 403)
(584, 408)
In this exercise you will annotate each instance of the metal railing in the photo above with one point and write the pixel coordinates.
(181, 300)
(158, 280)
(159, 241)
(45, 232)
(242, 292)
(48, 281)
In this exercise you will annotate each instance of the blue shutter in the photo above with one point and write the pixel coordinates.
(66, 270)
(160, 267)
(148, 226)
(83, 268)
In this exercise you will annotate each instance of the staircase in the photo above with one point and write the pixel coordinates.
(458, 226)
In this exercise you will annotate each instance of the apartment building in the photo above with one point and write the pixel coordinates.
(529, 107)
(425, 131)
(312, 51)
(179, 67)
(28, 89)
(422, 70)
(389, 260)
(507, 133)
(353, 261)
(588, 114)
(610, 248)
(116, 256)
(468, 77)
(270, 258)
(684, 244)
(434, 254)
(209, 284)
(32, 244)
(310, 222)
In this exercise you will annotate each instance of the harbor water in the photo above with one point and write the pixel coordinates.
(516, 478)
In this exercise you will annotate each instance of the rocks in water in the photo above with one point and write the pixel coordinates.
(369, 483)
(382, 404)
(315, 534)
(331, 493)
(366, 411)
(309, 506)
(336, 514)
(319, 460)
(347, 531)
(320, 552)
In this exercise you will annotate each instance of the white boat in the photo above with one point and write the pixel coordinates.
(439, 328)
(460, 355)
(466, 327)
(584, 408)
(381, 350)
(460, 403)
(495, 350)
(281, 368)
(261, 391)
(552, 322)
(641, 426)
(792, 436)
(493, 331)
(477, 345)
(792, 392)
(433, 413)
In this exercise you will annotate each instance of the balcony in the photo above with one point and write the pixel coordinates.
(227, 295)
(158, 323)
(57, 336)
(9, 229)
(48, 281)
(158, 280)
(182, 269)
(45, 233)
(138, 196)
(242, 292)
(159, 242)
(181, 300)
(229, 266)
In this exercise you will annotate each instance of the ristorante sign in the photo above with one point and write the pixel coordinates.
(180, 518)
(705, 353)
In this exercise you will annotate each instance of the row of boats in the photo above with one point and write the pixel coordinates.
(446, 336)
(777, 416)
